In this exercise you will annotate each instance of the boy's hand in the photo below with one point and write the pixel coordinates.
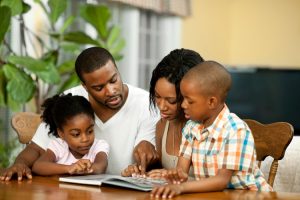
(132, 170)
(82, 166)
(20, 169)
(166, 191)
(175, 176)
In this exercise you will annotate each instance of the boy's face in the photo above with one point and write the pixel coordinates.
(195, 104)
(78, 133)
(105, 86)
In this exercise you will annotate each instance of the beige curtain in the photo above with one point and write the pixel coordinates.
(171, 7)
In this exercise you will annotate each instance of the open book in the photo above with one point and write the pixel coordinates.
(137, 183)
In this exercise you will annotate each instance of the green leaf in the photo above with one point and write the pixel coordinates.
(97, 16)
(50, 75)
(20, 85)
(118, 47)
(113, 36)
(26, 7)
(44, 70)
(71, 82)
(2, 87)
(33, 65)
(66, 67)
(67, 23)
(80, 38)
(57, 7)
(12, 104)
(72, 47)
(5, 15)
(16, 6)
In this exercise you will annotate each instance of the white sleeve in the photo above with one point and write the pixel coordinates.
(101, 146)
(41, 137)
(147, 126)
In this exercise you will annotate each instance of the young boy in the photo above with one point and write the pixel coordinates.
(219, 144)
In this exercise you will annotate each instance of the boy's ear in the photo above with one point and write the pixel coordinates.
(212, 102)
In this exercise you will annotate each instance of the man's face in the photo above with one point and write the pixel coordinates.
(105, 86)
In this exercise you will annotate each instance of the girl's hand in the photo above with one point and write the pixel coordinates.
(166, 191)
(82, 166)
(132, 170)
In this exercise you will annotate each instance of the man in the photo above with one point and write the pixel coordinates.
(122, 117)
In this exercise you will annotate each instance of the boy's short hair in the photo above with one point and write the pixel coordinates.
(213, 78)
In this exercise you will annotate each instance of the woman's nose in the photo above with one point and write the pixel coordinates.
(162, 105)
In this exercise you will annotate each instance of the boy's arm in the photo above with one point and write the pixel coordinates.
(23, 163)
(100, 163)
(216, 183)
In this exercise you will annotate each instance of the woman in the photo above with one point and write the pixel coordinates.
(165, 95)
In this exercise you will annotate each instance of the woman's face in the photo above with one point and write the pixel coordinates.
(165, 98)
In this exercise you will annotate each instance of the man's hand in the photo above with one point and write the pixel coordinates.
(20, 169)
(145, 154)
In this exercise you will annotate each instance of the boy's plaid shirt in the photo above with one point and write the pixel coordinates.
(226, 144)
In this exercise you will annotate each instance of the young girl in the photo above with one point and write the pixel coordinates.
(74, 150)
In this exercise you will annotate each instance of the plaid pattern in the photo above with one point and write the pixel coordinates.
(226, 144)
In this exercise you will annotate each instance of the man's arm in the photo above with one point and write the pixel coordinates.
(23, 163)
(145, 155)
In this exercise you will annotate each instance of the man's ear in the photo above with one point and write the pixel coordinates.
(213, 102)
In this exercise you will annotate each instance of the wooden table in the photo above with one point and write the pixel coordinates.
(49, 188)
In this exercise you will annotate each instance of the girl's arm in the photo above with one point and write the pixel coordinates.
(100, 163)
(46, 165)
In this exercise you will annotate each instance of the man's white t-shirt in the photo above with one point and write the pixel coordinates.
(123, 131)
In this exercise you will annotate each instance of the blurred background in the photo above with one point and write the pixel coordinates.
(258, 41)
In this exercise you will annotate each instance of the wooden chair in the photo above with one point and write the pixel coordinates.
(25, 124)
(271, 140)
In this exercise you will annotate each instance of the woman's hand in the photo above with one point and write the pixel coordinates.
(132, 170)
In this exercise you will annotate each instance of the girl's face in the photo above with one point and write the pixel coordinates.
(165, 98)
(78, 133)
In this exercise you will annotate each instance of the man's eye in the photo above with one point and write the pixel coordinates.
(113, 80)
(98, 88)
